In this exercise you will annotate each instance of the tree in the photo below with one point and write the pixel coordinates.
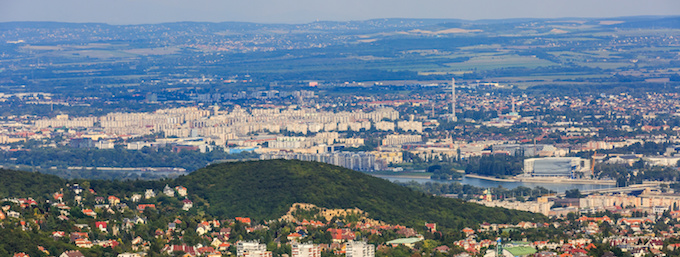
(573, 193)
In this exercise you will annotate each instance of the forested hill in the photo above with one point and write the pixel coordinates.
(14, 183)
(266, 189)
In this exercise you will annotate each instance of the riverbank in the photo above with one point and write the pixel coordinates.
(491, 178)
(553, 180)
(397, 175)
(491, 182)
(566, 181)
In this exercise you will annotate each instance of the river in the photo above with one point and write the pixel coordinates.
(558, 187)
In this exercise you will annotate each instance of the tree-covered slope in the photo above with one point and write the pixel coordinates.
(266, 189)
(14, 183)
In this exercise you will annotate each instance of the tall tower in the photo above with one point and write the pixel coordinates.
(453, 100)
(513, 104)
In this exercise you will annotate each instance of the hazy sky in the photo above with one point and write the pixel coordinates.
(302, 11)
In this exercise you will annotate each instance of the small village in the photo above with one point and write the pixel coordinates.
(166, 222)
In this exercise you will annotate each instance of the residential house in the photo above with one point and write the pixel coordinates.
(243, 220)
(84, 243)
(168, 191)
(13, 214)
(113, 200)
(143, 207)
(136, 197)
(149, 193)
(90, 212)
(129, 255)
(203, 228)
(181, 191)
(72, 254)
(187, 204)
(101, 225)
(294, 237)
(170, 249)
(432, 227)
(341, 234)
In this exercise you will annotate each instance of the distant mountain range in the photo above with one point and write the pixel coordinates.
(361, 26)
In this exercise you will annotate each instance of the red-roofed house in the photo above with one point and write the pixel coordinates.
(113, 200)
(294, 237)
(101, 225)
(672, 247)
(223, 247)
(206, 250)
(341, 234)
(170, 249)
(432, 227)
(143, 207)
(84, 243)
(181, 191)
(90, 212)
(243, 220)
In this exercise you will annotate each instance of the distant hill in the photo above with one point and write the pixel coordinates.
(267, 189)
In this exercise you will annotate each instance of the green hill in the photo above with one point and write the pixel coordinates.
(267, 189)
(14, 183)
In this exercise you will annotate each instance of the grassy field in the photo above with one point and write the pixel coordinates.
(606, 65)
(499, 61)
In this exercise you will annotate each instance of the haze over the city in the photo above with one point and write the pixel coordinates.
(302, 11)
(372, 128)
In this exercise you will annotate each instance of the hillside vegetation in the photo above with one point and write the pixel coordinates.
(14, 183)
(267, 189)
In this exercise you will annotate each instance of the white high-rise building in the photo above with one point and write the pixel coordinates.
(359, 249)
(305, 250)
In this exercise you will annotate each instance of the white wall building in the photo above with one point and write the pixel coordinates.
(359, 249)
(556, 166)
(306, 250)
(251, 248)
(401, 139)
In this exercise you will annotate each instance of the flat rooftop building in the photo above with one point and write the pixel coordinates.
(556, 167)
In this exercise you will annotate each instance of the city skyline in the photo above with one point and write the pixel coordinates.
(268, 11)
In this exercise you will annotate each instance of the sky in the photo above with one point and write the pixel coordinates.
(304, 11)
